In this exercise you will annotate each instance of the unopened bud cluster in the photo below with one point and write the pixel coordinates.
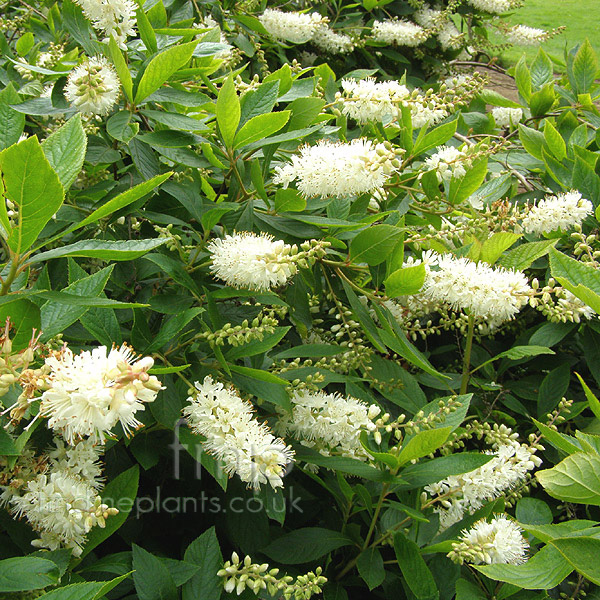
(239, 575)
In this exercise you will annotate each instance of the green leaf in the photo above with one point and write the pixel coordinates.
(24, 316)
(554, 141)
(102, 249)
(374, 244)
(310, 351)
(204, 551)
(543, 571)
(370, 567)
(90, 590)
(173, 327)
(542, 70)
(124, 199)
(582, 554)
(342, 464)
(120, 127)
(416, 573)
(364, 318)
(27, 573)
(542, 101)
(161, 67)
(494, 246)
(259, 374)
(591, 398)
(493, 98)
(305, 544)
(558, 440)
(533, 511)
(431, 471)
(12, 122)
(192, 443)
(574, 479)
(289, 200)
(553, 387)
(519, 352)
(25, 43)
(120, 493)
(57, 317)
(523, 79)
(258, 346)
(65, 150)
(7, 444)
(151, 577)
(260, 127)
(401, 346)
(532, 140)
(228, 111)
(584, 70)
(522, 257)
(121, 66)
(32, 184)
(437, 137)
(574, 271)
(423, 443)
(463, 187)
(405, 281)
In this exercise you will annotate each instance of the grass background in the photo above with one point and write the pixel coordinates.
(581, 18)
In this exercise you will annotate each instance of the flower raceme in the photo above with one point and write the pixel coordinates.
(330, 423)
(485, 292)
(553, 213)
(295, 27)
(399, 32)
(466, 493)
(58, 494)
(337, 170)
(257, 262)
(499, 541)
(507, 117)
(114, 18)
(246, 446)
(89, 393)
(93, 87)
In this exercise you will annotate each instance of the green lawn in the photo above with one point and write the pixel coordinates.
(581, 18)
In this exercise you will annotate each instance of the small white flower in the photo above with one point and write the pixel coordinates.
(497, 542)
(448, 162)
(90, 393)
(294, 27)
(112, 17)
(507, 117)
(366, 100)
(490, 293)
(521, 35)
(330, 422)
(496, 7)
(93, 87)
(450, 37)
(466, 493)
(398, 31)
(335, 169)
(246, 446)
(563, 212)
(331, 41)
(252, 261)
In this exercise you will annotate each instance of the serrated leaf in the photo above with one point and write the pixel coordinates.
(102, 249)
(32, 184)
(228, 111)
(523, 256)
(373, 245)
(161, 67)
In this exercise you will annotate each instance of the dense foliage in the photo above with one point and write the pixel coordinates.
(366, 312)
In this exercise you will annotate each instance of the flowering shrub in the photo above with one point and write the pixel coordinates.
(292, 334)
